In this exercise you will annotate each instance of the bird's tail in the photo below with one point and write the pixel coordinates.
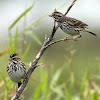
(19, 84)
(89, 31)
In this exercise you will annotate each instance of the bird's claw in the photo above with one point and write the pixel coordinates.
(75, 38)
(66, 39)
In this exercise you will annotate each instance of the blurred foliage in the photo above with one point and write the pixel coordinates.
(83, 82)
(23, 14)
(4, 52)
(25, 53)
(53, 90)
(50, 84)
(13, 44)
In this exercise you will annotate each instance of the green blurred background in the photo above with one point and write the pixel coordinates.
(71, 70)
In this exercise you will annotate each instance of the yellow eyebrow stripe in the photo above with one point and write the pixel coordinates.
(53, 14)
(14, 57)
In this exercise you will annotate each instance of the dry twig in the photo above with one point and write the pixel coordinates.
(32, 67)
(70, 7)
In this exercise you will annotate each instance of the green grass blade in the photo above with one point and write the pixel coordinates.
(71, 83)
(67, 94)
(9, 84)
(44, 79)
(23, 14)
(28, 31)
(4, 80)
(6, 93)
(95, 96)
(83, 81)
(34, 37)
(15, 40)
(37, 91)
(53, 84)
(25, 53)
(61, 6)
(45, 88)
(34, 23)
(57, 97)
(56, 77)
(11, 43)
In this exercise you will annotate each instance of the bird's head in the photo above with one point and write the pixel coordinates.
(56, 15)
(14, 57)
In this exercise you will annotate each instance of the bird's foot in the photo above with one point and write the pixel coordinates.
(75, 38)
(67, 38)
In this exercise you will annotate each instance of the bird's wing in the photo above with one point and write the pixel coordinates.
(78, 25)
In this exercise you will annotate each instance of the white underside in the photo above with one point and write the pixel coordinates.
(68, 31)
(17, 76)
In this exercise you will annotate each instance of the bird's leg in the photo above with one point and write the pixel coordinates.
(65, 39)
(15, 87)
(19, 84)
(75, 38)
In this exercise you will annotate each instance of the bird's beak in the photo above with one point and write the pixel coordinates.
(10, 59)
(50, 15)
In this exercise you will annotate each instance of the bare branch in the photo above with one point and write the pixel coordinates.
(60, 40)
(39, 65)
(32, 66)
(51, 35)
(54, 42)
(45, 37)
(70, 7)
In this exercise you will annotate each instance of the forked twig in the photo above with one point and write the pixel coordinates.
(32, 67)
(51, 43)
(70, 7)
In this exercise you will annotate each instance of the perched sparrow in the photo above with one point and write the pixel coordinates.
(16, 68)
(71, 26)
